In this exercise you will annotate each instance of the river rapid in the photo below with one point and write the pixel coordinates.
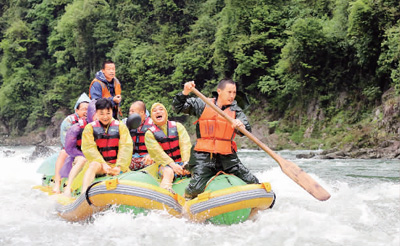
(364, 209)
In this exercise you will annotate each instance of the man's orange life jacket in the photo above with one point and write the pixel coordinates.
(105, 93)
(104, 90)
(107, 142)
(169, 142)
(216, 133)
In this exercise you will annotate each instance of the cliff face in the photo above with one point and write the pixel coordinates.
(353, 132)
(390, 110)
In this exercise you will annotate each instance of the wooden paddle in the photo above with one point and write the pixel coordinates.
(289, 168)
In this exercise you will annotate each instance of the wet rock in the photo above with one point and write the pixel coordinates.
(324, 157)
(306, 156)
(338, 155)
(8, 153)
(328, 151)
(40, 151)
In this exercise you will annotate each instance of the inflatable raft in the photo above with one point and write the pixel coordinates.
(226, 199)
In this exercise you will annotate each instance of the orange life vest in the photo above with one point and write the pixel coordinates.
(169, 142)
(104, 90)
(107, 142)
(138, 137)
(216, 133)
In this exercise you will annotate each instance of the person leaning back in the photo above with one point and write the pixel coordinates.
(168, 144)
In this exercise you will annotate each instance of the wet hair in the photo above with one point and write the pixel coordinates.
(105, 63)
(223, 82)
(141, 105)
(103, 103)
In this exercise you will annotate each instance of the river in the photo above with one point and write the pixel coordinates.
(364, 209)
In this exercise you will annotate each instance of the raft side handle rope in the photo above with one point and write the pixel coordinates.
(87, 193)
(216, 175)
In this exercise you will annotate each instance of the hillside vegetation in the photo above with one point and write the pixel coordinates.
(317, 72)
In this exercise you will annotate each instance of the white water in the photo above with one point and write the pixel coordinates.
(364, 210)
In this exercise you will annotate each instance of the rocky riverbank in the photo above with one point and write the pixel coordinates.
(392, 151)
(377, 136)
(386, 150)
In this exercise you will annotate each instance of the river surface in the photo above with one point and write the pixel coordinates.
(364, 209)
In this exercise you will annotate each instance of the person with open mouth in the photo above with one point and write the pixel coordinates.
(168, 144)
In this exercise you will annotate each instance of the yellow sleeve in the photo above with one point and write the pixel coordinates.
(89, 147)
(125, 148)
(184, 142)
(155, 150)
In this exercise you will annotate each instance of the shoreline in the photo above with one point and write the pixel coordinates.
(387, 150)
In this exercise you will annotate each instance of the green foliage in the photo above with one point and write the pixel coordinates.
(389, 59)
(297, 136)
(288, 53)
(301, 60)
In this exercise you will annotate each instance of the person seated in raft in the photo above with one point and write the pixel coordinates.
(215, 149)
(81, 107)
(168, 144)
(140, 156)
(73, 141)
(106, 144)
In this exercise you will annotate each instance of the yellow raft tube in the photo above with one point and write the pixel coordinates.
(226, 199)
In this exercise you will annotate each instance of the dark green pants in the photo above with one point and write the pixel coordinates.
(202, 167)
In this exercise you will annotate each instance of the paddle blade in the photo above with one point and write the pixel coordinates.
(303, 179)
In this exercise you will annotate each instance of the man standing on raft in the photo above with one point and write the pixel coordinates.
(106, 85)
(215, 149)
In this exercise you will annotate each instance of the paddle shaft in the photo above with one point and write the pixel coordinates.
(289, 168)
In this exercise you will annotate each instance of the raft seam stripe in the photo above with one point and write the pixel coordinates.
(70, 207)
(229, 199)
(139, 192)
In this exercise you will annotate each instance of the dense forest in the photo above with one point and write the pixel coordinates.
(312, 69)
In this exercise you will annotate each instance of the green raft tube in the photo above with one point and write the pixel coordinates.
(226, 200)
